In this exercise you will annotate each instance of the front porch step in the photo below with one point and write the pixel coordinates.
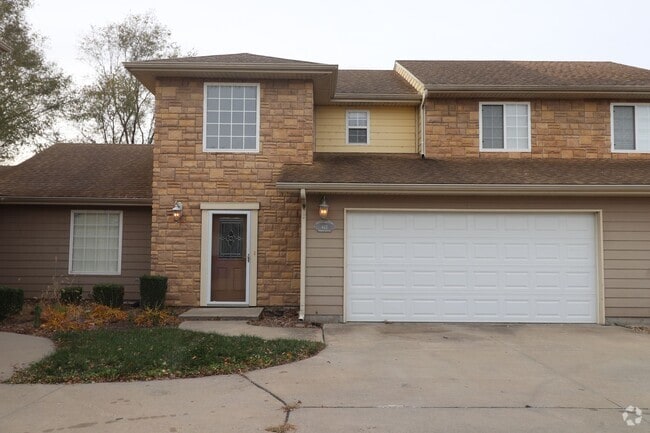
(222, 313)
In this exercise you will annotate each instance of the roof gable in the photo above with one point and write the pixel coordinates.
(237, 58)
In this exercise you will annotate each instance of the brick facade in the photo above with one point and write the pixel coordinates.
(559, 129)
(183, 171)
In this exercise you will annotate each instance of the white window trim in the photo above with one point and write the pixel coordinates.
(505, 134)
(205, 118)
(347, 128)
(636, 127)
(71, 244)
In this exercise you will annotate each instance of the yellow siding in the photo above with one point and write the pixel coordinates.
(392, 130)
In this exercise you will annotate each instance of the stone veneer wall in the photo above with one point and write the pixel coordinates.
(183, 171)
(559, 129)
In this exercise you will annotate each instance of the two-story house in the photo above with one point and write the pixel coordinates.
(436, 191)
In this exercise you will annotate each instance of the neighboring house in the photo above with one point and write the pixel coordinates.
(459, 191)
(437, 191)
(76, 214)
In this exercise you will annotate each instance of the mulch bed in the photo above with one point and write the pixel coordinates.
(282, 318)
(277, 317)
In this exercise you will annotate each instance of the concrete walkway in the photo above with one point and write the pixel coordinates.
(379, 378)
(18, 351)
(239, 327)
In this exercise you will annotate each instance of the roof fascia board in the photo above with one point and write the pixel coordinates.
(410, 78)
(76, 201)
(470, 189)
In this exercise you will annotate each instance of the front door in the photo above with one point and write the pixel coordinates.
(229, 258)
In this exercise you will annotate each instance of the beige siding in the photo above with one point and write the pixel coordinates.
(626, 241)
(35, 245)
(392, 130)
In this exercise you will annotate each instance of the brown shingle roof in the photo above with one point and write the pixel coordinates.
(360, 82)
(436, 74)
(410, 169)
(82, 171)
(238, 58)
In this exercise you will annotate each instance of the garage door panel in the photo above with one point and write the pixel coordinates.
(489, 267)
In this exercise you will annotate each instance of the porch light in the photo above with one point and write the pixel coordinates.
(177, 211)
(323, 209)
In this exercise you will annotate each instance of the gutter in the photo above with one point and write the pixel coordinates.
(471, 189)
(423, 120)
(303, 252)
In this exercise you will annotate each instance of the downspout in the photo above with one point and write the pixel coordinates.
(423, 120)
(303, 251)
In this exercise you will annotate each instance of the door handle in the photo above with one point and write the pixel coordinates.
(248, 257)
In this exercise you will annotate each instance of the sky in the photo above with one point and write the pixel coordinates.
(368, 34)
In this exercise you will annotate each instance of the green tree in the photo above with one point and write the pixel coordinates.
(33, 91)
(115, 107)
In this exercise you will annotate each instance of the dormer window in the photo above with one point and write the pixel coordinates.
(504, 126)
(357, 127)
(231, 117)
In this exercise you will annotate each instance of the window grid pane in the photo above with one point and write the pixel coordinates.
(95, 243)
(516, 126)
(642, 122)
(231, 117)
(492, 120)
(624, 127)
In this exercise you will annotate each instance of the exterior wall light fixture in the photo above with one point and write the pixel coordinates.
(177, 211)
(323, 209)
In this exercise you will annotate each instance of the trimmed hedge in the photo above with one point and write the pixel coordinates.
(111, 295)
(153, 289)
(11, 301)
(71, 295)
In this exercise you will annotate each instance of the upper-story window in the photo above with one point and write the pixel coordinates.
(504, 126)
(357, 127)
(231, 117)
(631, 127)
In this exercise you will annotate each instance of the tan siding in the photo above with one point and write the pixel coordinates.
(626, 240)
(392, 130)
(35, 246)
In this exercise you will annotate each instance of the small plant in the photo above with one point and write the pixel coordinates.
(102, 314)
(11, 301)
(153, 289)
(71, 295)
(149, 318)
(63, 318)
(38, 310)
(111, 295)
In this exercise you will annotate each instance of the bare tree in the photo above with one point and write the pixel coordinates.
(115, 107)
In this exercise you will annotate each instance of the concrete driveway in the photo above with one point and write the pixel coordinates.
(380, 378)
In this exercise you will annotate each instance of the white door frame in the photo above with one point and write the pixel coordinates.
(208, 211)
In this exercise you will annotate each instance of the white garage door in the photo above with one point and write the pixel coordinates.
(471, 267)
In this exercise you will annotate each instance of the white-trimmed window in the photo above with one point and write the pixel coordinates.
(231, 117)
(630, 127)
(95, 242)
(357, 127)
(504, 126)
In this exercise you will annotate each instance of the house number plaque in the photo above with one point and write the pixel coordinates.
(324, 226)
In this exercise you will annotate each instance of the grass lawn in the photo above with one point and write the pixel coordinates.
(153, 353)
